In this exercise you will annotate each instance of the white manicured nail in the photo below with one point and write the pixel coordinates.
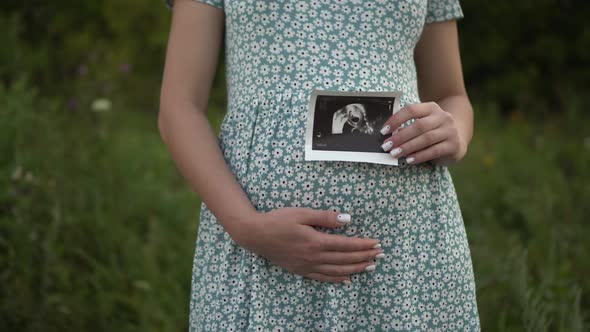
(347, 282)
(385, 130)
(387, 145)
(410, 160)
(380, 255)
(343, 217)
(370, 268)
(395, 152)
(377, 246)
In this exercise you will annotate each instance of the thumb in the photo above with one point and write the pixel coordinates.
(325, 218)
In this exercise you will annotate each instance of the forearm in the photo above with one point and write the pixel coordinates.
(194, 148)
(460, 107)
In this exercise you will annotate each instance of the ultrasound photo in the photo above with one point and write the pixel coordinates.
(344, 125)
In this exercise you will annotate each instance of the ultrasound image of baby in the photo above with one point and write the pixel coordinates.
(344, 125)
(352, 118)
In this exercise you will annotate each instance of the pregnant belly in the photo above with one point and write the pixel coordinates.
(404, 207)
(263, 143)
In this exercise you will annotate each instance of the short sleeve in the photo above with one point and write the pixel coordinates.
(215, 3)
(443, 10)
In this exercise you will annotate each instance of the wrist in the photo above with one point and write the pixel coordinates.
(243, 228)
(464, 140)
(463, 145)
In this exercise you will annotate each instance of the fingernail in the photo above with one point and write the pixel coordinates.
(370, 268)
(343, 217)
(347, 282)
(385, 130)
(378, 245)
(387, 145)
(410, 160)
(395, 152)
(380, 255)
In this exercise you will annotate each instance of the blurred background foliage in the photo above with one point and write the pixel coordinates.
(97, 227)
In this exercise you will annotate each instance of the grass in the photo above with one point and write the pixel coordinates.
(524, 190)
(97, 231)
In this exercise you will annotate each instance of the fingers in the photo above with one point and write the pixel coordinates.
(433, 152)
(327, 278)
(433, 135)
(325, 218)
(335, 257)
(420, 142)
(339, 270)
(332, 258)
(406, 113)
(419, 127)
(333, 242)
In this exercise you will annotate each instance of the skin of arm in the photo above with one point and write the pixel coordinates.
(182, 121)
(444, 125)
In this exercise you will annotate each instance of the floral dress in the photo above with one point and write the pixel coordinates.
(277, 52)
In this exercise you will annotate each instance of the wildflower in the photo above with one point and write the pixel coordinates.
(17, 174)
(142, 284)
(489, 160)
(29, 177)
(101, 105)
(82, 70)
(73, 103)
(125, 68)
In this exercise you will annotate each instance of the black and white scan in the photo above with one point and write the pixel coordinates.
(346, 125)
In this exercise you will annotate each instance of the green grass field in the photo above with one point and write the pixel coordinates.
(97, 227)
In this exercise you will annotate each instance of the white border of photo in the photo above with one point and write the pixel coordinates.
(354, 156)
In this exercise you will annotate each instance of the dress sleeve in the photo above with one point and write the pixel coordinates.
(443, 10)
(215, 3)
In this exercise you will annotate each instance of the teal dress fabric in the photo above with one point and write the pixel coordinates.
(277, 52)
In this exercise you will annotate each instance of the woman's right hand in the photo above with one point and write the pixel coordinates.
(287, 238)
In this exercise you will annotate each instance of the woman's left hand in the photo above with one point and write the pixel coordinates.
(434, 135)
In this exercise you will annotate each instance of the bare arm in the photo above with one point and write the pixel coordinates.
(195, 41)
(444, 120)
(440, 76)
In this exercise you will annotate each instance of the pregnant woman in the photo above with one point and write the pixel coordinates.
(286, 244)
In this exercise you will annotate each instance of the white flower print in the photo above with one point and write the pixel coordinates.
(277, 52)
